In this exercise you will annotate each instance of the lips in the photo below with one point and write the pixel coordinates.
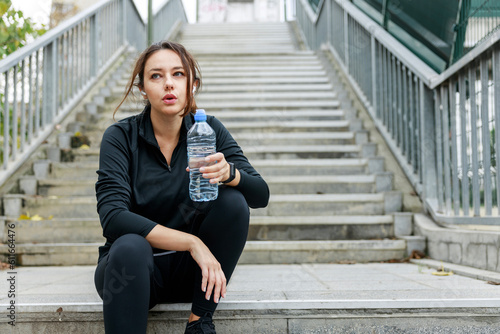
(170, 99)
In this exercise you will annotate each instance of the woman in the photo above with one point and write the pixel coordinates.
(162, 247)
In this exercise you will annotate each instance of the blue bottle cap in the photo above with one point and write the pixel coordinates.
(200, 115)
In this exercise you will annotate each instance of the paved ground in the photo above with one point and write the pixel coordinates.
(377, 285)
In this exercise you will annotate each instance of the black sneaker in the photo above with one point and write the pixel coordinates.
(204, 325)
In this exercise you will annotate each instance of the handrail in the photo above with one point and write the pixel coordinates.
(443, 129)
(466, 59)
(50, 35)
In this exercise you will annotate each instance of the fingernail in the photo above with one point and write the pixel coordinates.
(202, 169)
(207, 159)
(216, 300)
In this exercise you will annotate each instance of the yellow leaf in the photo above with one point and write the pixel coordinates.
(50, 217)
(78, 134)
(85, 147)
(442, 273)
(24, 217)
(36, 217)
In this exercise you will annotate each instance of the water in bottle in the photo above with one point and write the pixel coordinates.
(200, 143)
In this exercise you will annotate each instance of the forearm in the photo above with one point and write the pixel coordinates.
(162, 237)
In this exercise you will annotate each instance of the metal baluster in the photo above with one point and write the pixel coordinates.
(411, 126)
(445, 98)
(22, 132)
(30, 103)
(439, 147)
(14, 115)
(464, 156)
(496, 89)
(485, 135)
(474, 144)
(400, 106)
(454, 158)
(405, 109)
(37, 93)
(6, 112)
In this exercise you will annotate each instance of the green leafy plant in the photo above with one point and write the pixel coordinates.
(15, 29)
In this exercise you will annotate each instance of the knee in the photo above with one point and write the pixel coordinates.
(233, 204)
(131, 249)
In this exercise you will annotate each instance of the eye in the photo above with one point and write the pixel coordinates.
(178, 73)
(155, 76)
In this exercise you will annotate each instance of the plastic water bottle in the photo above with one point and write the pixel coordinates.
(200, 143)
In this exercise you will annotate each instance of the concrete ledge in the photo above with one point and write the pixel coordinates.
(481, 274)
(478, 249)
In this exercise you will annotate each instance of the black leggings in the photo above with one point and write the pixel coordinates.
(130, 280)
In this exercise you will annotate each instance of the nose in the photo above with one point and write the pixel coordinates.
(169, 83)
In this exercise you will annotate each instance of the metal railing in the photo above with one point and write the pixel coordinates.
(43, 81)
(440, 127)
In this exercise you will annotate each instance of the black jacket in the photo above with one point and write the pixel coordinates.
(137, 189)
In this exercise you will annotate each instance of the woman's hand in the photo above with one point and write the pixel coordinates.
(213, 278)
(216, 169)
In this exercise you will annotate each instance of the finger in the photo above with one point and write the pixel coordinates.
(204, 280)
(218, 288)
(224, 286)
(219, 156)
(210, 285)
(187, 169)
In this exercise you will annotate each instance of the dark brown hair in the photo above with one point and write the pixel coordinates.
(188, 62)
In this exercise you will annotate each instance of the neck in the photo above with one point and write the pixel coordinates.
(166, 128)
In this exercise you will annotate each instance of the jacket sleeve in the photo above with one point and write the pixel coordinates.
(253, 187)
(113, 189)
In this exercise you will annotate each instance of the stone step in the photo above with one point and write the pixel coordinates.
(318, 166)
(266, 80)
(287, 126)
(322, 184)
(304, 152)
(61, 206)
(287, 228)
(263, 68)
(331, 204)
(322, 251)
(272, 104)
(284, 184)
(263, 88)
(266, 96)
(89, 230)
(72, 169)
(217, 61)
(264, 167)
(251, 74)
(384, 298)
(294, 138)
(70, 230)
(279, 205)
(255, 252)
(77, 186)
(279, 116)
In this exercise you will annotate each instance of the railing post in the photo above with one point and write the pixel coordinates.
(346, 41)
(373, 43)
(49, 90)
(123, 22)
(94, 45)
(428, 145)
(6, 113)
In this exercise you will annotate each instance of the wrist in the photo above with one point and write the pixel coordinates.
(232, 173)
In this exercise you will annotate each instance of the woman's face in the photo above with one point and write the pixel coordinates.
(165, 83)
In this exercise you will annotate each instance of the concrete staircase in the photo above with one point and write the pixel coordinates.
(331, 199)
(332, 204)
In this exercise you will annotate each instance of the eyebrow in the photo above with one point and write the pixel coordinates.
(161, 69)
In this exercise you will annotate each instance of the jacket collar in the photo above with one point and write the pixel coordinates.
(146, 127)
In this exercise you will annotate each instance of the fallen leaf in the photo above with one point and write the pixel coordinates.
(59, 310)
(85, 147)
(24, 217)
(36, 218)
(442, 272)
(78, 134)
(493, 283)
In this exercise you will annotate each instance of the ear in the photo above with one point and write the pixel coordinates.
(195, 85)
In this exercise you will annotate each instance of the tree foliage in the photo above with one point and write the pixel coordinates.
(15, 29)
